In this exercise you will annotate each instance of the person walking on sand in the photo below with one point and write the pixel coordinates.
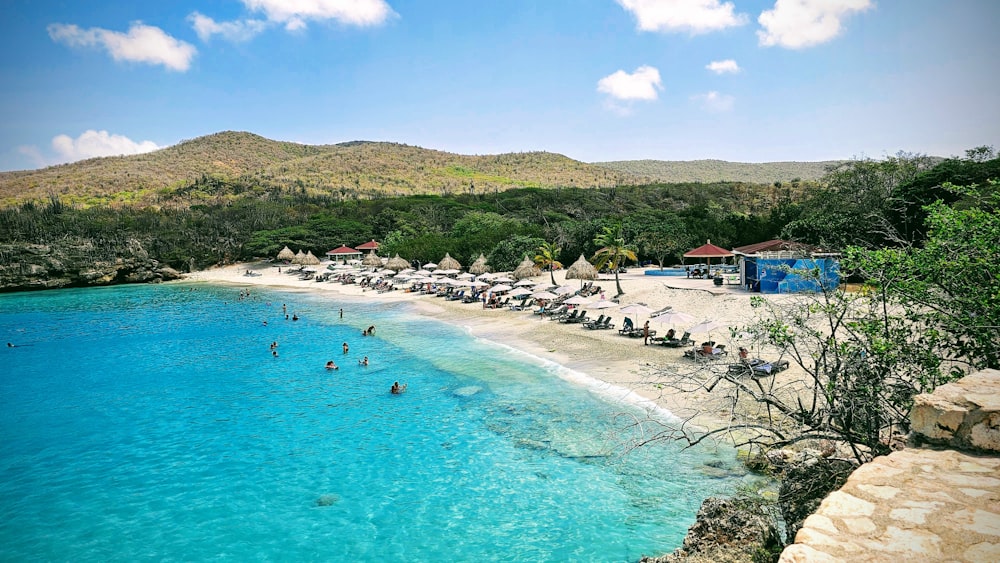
(645, 333)
(341, 312)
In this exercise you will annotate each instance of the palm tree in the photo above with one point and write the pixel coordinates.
(546, 258)
(613, 251)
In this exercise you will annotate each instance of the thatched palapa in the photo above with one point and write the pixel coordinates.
(286, 254)
(310, 259)
(581, 270)
(479, 266)
(299, 257)
(396, 263)
(449, 263)
(526, 269)
(372, 260)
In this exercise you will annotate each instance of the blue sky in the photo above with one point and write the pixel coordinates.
(742, 80)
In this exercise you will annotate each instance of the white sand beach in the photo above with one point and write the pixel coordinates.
(623, 364)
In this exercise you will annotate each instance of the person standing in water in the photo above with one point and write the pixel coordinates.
(346, 347)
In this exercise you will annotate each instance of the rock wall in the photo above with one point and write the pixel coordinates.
(921, 503)
(76, 264)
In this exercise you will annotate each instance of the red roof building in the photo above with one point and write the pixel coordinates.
(343, 252)
(708, 250)
(368, 246)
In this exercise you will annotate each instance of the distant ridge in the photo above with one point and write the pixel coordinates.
(707, 171)
(351, 169)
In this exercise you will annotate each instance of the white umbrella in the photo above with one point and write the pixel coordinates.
(523, 283)
(577, 300)
(545, 287)
(674, 318)
(500, 288)
(564, 290)
(465, 276)
(422, 272)
(407, 271)
(448, 272)
(430, 265)
(503, 279)
(478, 283)
(519, 291)
(544, 295)
(603, 304)
(486, 276)
(638, 309)
(706, 326)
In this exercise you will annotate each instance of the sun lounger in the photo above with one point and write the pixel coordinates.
(700, 354)
(758, 367)
(684, 340)
(581, 318)
(590, 324)
(627, 327)
(600, 324)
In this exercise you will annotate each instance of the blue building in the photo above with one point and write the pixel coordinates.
(779, 266)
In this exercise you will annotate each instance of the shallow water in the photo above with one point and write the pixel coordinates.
(153, 422)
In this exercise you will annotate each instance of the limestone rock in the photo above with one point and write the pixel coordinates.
(964, 414)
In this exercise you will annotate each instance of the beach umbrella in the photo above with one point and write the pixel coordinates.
(581, 270)
(397, 263)
(544, 295)
(502, 279)
(422, 272)
(638, 309)
(705, 326)
(673, 318)
(545, 287)
(478, 283)
(465, 276)
(526, 269)
(577, 300)
(603, 304)
(563, 290)
(286, 254)
(372, 260)
(479, 266)
(500, 288)
(486, 276)
(448, 272)
(310, 259)
(430, 266)
(524, 283)
(518, 292)
(449, 263)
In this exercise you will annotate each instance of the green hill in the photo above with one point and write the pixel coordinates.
(355, 169)
(706, 171)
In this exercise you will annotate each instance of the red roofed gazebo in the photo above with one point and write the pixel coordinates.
(708, 251)
(372, 245)
(343, 253)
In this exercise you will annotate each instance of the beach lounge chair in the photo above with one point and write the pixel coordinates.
(718, 351)
(555, 311)
(626, 327)
(684, 340)
(590, 324)
(581, 318)
(566, 317)
(523, 305)
(758, 367)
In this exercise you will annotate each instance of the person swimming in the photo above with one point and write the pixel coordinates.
(397, 389)
(331, 365)
(363, 362)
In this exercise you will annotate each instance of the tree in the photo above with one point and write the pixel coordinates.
(548, 253)
(508, 253)
(663, 240)
(612, 252)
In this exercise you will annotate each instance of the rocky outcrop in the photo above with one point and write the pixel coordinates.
(920, 504)
(77, 264)
(726, 530)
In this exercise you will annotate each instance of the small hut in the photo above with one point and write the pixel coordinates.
(372, 260)
(581, 270)
(286, 254)
(396, 263)
(449, 263)
(479, 266)
(526, 269)
(299, 257)
(310, 259)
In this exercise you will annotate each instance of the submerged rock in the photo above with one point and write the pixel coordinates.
(467, 391)
(327, 500)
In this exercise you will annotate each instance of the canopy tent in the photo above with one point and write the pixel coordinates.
(526, 269)
(708, 251)
(449, 263)
(286, 254)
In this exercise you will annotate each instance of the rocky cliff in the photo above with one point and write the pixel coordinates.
(78, 263)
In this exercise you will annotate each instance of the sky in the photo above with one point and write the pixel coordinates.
(595, 80)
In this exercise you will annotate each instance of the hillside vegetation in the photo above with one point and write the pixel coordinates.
(349, 170)
(707, 171)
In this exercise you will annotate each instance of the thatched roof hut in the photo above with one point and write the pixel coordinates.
(310, 259)
(286, 254)
(581, 270)
(449, 263)
(479, 266)
(526, 269)
(299, 257)
(372, 260)
(396, 263)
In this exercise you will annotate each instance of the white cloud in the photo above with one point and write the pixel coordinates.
(239, 30)
(722, 67)
(715, 102)
(293, 14)
(640, 85)
(795, 24)
(92, 144)
(142, 44)
(693, 16)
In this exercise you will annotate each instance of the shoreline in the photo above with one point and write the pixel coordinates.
(616, 366)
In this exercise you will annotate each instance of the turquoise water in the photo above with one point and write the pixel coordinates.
(153, 422)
